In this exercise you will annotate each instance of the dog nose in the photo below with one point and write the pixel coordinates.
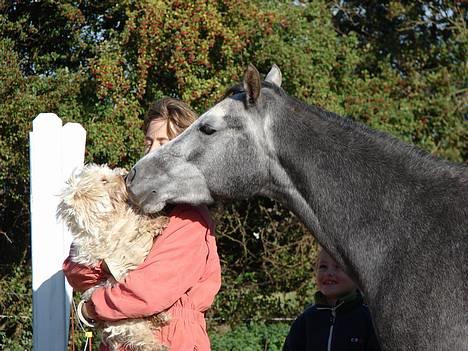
(130, 176)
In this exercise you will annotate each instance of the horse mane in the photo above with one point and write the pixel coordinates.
(415, 156)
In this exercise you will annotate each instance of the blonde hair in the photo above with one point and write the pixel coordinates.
(321, 251)
(177, 113)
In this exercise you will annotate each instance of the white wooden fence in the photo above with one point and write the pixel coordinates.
(55, 150)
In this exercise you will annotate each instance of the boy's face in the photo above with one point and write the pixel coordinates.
(331, 279)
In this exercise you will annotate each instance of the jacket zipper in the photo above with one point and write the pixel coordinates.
(333, 312)
(330, 335)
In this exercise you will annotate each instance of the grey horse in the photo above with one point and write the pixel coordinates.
(395, 216)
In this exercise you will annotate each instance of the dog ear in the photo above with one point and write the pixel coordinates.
(81, 201)
(68, 210)
(118, 189)
(78, 206)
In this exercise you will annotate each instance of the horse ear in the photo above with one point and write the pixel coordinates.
(274, 76)
(252, 84)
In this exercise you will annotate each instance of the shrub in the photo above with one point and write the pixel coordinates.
(16, 309)
(258, 336)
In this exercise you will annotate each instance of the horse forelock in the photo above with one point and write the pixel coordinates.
(233, 90)
(239, 89)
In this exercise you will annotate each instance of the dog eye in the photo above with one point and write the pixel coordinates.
(207, 129)
(104, 180)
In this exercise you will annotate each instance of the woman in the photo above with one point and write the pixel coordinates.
(181, 274)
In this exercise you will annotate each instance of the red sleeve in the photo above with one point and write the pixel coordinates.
(175, 264)
(80, 277)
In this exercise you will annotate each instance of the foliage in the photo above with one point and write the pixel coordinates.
(413, 70)
(267, 257)
(16, 309)
(412, 34)
(249, 337)
(23, 97)
(396, 66)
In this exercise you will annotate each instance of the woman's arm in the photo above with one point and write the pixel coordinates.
(80, 277)
(175, 264)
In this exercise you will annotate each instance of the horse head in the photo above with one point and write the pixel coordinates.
(226, 153)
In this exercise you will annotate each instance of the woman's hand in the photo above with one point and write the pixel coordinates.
(86, 313)
(81, 277)
(105, 267)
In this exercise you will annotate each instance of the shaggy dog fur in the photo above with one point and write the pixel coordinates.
(105, 227)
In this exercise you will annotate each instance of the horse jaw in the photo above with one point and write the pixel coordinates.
(152, 187)
(146, 206)
(152, 201)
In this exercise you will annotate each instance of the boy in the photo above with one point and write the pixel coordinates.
(339, 320)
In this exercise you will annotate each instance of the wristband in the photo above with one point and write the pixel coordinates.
(79, 312)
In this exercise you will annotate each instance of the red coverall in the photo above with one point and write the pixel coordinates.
(181, 275)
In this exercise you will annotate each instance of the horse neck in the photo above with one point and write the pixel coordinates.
(348, 184)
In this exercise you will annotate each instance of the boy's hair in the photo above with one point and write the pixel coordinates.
(176, 112)
(321, 251)
(317, 258)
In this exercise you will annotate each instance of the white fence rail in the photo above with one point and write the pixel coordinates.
(55, 150)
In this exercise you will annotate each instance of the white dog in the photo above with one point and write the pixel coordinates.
(105, 227)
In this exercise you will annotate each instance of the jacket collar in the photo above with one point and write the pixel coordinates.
(344, 302)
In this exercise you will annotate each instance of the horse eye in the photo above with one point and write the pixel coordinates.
(207, 129)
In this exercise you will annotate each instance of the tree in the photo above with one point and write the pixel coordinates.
(415, 60)
(22, 99)
(406, 31)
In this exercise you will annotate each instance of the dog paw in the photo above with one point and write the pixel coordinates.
(159, 223)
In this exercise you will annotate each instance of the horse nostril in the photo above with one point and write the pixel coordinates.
(130, 176)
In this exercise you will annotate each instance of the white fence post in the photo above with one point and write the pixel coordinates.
(54, 152)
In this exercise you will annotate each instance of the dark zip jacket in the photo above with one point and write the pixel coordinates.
(347, 326)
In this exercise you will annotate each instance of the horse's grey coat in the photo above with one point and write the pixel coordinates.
(395, 216)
